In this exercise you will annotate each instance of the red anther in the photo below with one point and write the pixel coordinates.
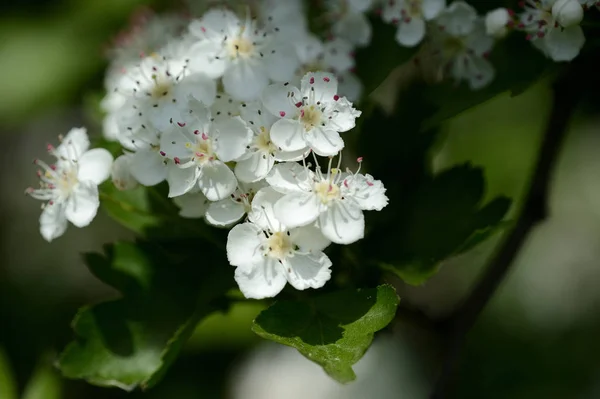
(162, 153)
(312, 80)
(203, 29)
(177, 160)
(369, 184)
(346, 183)
(359, 159)
(281, 113)
(510, 12)
(298, 104)
(180, 124)
(196, 132)
(326, 79)
(336, 97)
(541, 34)
(204, 136)
(53, 167)
(528, 37)
(50, 202)
(50, 147)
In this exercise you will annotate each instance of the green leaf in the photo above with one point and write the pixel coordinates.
(443, 218)
(375, 62)
(45, 383)
(8, 385)
(166, 290)
(334, 329)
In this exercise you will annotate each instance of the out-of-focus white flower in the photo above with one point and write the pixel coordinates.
(267, 254)
(349, 21)
(567, 12)
(336, 200)
(121, 173)
(540, 20)
(228, 211)
(497, 22)
(411, 17)
(245, 56)
(199, 149)
(70, 186)
(461, 46)
(311, 117)
(192, 205)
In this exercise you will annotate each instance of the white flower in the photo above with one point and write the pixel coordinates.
(225, 107)
(311, 117)
(567, 12)
(349, 20)
(121, 172)
(192, 205)
(336, 200)
(286, 18)
(497, 22)
(199, 149)
(230, 210)
(70, 186)
(245, 56)
(411, 17)
(267, 255)
(540, 21)
(462, 45)
(261, 152)
(335, 55)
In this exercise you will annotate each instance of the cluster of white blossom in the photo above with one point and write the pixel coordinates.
(459, 40)
(233, 111)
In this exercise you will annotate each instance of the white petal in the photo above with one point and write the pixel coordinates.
(297, 209)
(290, 177)
(199, 86)
(309, 238)
(231, 138)
(173, 143)
(322, 86)
(192, 205)
(53, 221)
(255, 167)
(245, 81)
(162, 115)
(350, 86)
(74, 144)
(258, 114)
(308, 48)
(344, 116)
(368, 193)
(94, 165)
(181, 180)
(262, 280)
(243, 244)
(481, 72)
(83, 204)
(225, 212)
(288, 135)
(282, 63)
(564, 44)
(458, 19)
(148, 167)
(308, 271)
(432, 8)
(287, 156)
(324, 142)
(202, 59)
(217, 181)
(411, 33)
(343, 223)
(280, 99)
(121, 173)
(262, 213)
(354, 27)
(337, 54)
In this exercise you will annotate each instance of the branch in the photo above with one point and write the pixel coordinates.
(534, 210)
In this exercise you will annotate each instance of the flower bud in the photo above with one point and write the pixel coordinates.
(496, 22)
(567, 12)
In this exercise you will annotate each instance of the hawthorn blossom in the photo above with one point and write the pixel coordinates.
(553, 27)
(311, 117)
(245, 56)
(230, 210)
(498, 21)
(70, 186)
(411, 17)
(349, 20)
(267, 254)
(461, 46)
(261, 153)
(336, 200)
(199, 149)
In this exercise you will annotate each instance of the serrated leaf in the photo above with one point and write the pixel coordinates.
(444, 218)
(131, 341)
(333, 330)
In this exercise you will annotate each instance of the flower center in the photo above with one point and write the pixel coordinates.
(453, 46)
(327, 191)
(310, 116)
(279, 245)
(241, 47)
(414, 8)
(263, 141)
(160, 89)
(202, 150)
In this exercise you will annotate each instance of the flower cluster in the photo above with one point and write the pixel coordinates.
(227, 112)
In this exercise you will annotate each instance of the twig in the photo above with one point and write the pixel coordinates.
(458, 324)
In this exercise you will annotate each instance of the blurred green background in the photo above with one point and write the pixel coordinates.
(538, 338)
